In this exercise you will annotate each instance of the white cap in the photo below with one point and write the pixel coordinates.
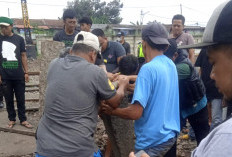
(87, 38)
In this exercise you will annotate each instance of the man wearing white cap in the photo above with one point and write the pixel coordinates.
(217, 38)
(74, 87)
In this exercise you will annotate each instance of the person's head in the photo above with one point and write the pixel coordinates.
(217, 38)
(102, 38)
(128, 65)
(86, 45)
(177, 24)
(155, 39)
(171, 52)
(85, 24)
(120, 36)
(6, 26)
(220, 56)
(70, 20)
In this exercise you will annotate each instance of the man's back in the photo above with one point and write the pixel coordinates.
(73, 85)
(160, 100)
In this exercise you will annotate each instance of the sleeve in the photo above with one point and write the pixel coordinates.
(143, 87)
(105, 88)
(198, 62)
(56, 37)
(119, 50)
(190, 39)
(128, 49)
(22, 46)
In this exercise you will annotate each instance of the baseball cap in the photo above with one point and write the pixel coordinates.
(171, 49)
(219, 27)
(5, 21)
(120, 34)
(87, 38)
(156, 32)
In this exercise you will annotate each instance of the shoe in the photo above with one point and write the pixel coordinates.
(1, 104)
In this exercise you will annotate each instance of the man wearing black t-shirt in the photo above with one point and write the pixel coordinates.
(68, 33)
(214, 98)
(14, 71)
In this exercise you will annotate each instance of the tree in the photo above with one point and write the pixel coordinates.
(100, 12)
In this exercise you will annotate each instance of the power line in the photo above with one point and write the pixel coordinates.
(165, 6)
(52, 5)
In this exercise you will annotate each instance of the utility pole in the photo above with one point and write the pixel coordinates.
(9, 12)
(181, 9)
(26, 22)
(142, 16)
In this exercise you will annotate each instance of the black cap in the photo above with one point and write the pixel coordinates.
(156, 32)
(86, 20)
(171, 49)
(120, 34)
(219, 27)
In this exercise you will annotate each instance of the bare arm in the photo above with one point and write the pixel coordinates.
(132, 112)
(192, 55)
(116, 100)
(132, 77)
(119, 58)
(25, 67)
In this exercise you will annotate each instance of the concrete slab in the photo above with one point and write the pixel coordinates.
(17, 128)
(12, 144)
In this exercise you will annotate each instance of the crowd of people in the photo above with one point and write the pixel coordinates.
(156, 93)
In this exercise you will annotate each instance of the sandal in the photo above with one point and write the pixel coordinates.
(26, 124)
(11, 124)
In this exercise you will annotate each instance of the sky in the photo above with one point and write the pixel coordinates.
(196, 12)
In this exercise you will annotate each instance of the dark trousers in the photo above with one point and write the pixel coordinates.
(1, 93)
(171, 152)
(17, 87)
(199, 123)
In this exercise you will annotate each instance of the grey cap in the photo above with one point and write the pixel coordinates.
(156, 32)
(218, 29)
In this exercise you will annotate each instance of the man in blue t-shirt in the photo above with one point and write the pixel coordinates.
(155, 104)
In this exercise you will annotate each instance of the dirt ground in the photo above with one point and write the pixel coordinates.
(184, 147)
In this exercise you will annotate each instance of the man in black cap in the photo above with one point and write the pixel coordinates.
(121, 39)
(85, 24)
(217, 38)
(155, 104)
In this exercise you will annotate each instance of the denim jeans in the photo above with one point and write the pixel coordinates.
(216, 113)
(37, 155)
(161, 149)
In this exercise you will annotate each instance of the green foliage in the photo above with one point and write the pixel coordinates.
(100, 12)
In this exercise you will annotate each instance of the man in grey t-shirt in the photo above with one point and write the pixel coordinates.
(181, 37)
(74, 87)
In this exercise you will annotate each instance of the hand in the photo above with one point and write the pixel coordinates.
(123, 80)
(132, 154)
(106, 109)
(26, 77)
(112, 77)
